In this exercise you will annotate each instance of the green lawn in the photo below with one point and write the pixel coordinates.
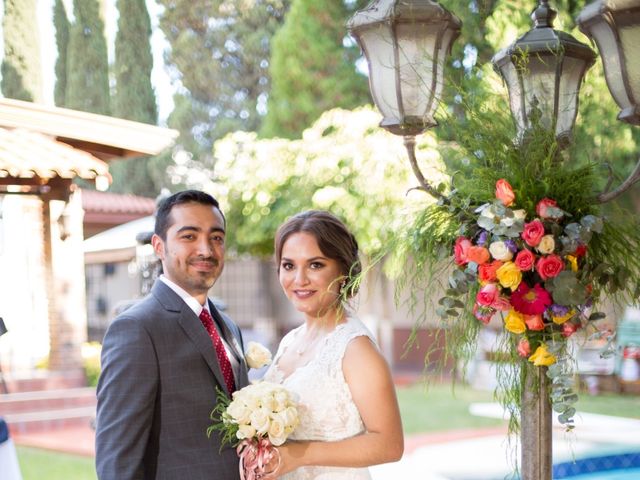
(37, 464)
(431, 409)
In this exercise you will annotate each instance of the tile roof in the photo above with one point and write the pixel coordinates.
(107, 202)
(27, 154)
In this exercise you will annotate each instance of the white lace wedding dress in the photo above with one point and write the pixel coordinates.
(327, 411)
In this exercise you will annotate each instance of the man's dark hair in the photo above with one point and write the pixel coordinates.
(163, 214)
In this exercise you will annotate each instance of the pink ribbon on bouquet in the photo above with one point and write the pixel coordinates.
(254, 457)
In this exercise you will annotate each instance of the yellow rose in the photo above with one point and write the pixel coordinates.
(560, 319)
(573, 261)
(547, 245)
(509, 275)
(541, 357)
(515, 322)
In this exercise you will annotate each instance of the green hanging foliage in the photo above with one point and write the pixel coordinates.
(61, 25)
(87, 62)
(311, 68)
(21, 70)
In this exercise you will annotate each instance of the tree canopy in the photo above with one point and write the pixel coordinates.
(220, 53)
(312, 69)
(21, 71)
(87, 64)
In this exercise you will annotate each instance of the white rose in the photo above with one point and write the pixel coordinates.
(256, 355)
(519, 214)
(547, 245)
(245, 431)
(239, 412)
(290, 418)
(260, 420)
(277, 435)
(499, 251)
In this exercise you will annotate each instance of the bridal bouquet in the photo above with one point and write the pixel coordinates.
(260, 416)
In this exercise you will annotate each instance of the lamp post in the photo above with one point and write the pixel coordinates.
(406, 42)
(543, 71)
(615, 27)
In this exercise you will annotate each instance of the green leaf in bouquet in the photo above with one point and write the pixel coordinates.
(486, 223)
(567, 415)
(573, 231)
(597, 316)
(566, 289)
(592, 223)
(568, 245)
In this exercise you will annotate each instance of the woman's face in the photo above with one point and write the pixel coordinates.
(310, 280)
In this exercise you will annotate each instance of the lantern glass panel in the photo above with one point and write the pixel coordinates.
(606, 41)
(512, 78)
(572, 71)
(630, 40)
(377, 43)
(539, 79)
(416, 57)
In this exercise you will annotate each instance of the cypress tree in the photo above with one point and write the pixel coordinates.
(134, 98)
(87, 63)
(61, 24)
(21, 70)
(311, 69)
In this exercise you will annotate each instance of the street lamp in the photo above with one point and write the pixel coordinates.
(543, 71)
(615, 27)
(405, 43)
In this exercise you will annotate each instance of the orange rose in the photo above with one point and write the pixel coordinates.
(478, 255)
(487, 271)
(504, 192)
(534, 322)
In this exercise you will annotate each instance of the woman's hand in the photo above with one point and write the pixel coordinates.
(291, 456)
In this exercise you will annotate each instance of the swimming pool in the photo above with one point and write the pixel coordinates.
(625, 466)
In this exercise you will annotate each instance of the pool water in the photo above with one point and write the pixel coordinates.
(624, 466)
(633, 474)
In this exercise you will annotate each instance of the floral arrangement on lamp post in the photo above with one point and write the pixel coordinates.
(534, 271)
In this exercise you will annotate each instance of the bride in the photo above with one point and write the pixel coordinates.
(349, 417)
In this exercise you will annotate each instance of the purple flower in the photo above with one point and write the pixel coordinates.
(482, 238)
(511, 245)
(559, 310)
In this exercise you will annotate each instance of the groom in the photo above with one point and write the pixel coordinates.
(163, 358)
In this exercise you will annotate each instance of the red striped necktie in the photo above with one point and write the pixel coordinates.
(221, 353)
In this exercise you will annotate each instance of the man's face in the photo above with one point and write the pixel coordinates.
(193, 253)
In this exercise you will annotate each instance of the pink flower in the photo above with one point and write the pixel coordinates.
(569, 328)
(533, 233)
(483, 314)
(488, 294)
(460, 250)
(549, 266)
(530, 301)
(524, 260)
(524, 349)
(501, 303)
(543, 206)
(534, 322)
(504, 192)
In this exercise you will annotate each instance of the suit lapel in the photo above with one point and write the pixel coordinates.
(192, 326)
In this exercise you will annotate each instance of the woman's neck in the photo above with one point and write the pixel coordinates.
(327, 322)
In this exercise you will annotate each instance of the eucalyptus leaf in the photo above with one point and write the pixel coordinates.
(593, 223)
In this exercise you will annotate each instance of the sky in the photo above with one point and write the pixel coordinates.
(159, 77)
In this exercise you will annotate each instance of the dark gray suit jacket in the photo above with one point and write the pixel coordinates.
(157, 390)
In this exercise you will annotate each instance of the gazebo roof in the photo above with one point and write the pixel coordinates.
(27, 154)
(104, 137)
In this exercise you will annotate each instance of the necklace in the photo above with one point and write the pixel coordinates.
(304, 347)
